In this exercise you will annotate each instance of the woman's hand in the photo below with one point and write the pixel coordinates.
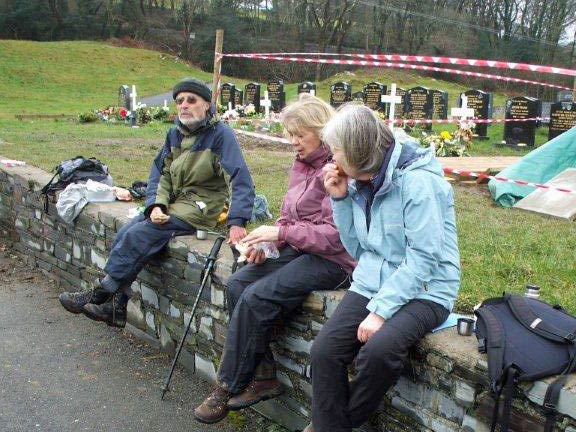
(264, 233)
(369, 326)
(158, 217)
(236, 234)
(255, 256)
(122, 194)
(336, 185)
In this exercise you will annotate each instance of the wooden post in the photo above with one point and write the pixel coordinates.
(217, 66)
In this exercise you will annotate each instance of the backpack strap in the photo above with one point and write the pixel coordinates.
(509, 375)
(493, 344)
(524, 313)
(44, 191)
(551, 402)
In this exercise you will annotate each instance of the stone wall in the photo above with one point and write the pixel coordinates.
(443, 389)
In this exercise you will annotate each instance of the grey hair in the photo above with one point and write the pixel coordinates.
(306, 113)
(361, 135)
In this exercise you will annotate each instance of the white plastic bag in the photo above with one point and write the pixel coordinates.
(270, 250)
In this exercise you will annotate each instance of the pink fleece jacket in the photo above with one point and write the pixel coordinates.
(305, 219)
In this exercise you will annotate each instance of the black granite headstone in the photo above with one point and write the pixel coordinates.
(418, 104)
(524, 132)
(373, 92)
(124, 99)
(238, 97)
(565, 96)
(252, 95)
(306, 87)
(562, 118)
(358, 97)
(399, 107)
(227, 95)
(276, 94)
(439, 104)
(481, 102)
(340, 93)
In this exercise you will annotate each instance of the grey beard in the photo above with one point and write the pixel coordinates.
(191, 123)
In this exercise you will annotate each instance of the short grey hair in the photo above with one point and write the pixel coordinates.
(361, 135)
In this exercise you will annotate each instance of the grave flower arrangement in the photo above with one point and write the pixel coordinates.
(448, 144)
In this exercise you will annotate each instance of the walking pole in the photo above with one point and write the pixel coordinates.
(207, 272)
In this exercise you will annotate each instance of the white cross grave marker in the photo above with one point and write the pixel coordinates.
(133, 96)
(464, 112)
(391, 99)
(165, 106)
(266, 103)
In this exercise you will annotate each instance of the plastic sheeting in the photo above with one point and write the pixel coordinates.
(538, 166)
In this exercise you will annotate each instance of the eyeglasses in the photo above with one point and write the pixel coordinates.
(190, 99)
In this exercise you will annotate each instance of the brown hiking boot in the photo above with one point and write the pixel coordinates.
(214, 408)
(75, 301)
(256, 391)
(113, 312)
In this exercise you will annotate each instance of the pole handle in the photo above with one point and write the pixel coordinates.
(216, 248)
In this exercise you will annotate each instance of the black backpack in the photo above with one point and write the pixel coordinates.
(526, 339)
(75, 170)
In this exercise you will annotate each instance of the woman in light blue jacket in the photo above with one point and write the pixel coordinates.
(395, 214)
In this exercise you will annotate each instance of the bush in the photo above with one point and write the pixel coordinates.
(87, 117)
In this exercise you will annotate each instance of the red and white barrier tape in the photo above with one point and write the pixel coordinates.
(506, 180)
(457, 120)
(392, 65)
(443, 60)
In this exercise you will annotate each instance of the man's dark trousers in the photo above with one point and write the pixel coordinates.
(135, 245)
(257, 296)
(339, 405)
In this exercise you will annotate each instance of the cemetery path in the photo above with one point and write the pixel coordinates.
(63, 373)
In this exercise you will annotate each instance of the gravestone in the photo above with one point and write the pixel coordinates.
(418, 104)
(358, 97)
(340, 93)
(481, 103)
(227, 91)
(373, 92)
(524, 132)
(124, 97)
(307, 87)
(545, 113)
(276, 94)
(565, 96)
(562, 118)
(238, 97)
(399, 109)
(439, 104)
(252, 95)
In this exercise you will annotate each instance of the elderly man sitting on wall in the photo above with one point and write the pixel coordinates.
(187, 190)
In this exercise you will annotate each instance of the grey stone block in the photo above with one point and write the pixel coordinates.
(206, 327)
(465, 394)
(471, 424)
(205, 368)
(166, 341)
(297, 345)
(135, 314)
(288, 363)
(279, 413)
(150, 321)
(97, 260)
(149, 296)
(217, 296)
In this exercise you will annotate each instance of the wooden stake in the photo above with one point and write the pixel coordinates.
(217, 66)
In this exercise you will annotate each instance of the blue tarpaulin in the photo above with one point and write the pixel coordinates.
(538, 166)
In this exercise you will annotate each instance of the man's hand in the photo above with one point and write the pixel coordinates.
(236, 234)
(264, 233)
(158, 217)
(336, 185)
(369, 326)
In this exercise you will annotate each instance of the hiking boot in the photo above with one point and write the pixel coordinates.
(75, 301)
(256, 391)
(214, 408)
(113, 312)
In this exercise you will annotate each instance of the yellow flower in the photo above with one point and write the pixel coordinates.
(445, 135)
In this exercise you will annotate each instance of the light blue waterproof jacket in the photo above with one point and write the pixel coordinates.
(410, 250)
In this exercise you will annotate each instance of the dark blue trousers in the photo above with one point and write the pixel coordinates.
(135, 245)
(258, 295)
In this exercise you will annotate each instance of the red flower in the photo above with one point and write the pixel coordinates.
(123, 112)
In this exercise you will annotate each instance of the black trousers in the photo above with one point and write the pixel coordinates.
(260, 294)
(339, 405)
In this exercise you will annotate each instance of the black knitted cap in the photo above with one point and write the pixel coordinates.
(192, 85)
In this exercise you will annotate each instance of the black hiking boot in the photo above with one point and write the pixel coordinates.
(75, 301)
(113, 312)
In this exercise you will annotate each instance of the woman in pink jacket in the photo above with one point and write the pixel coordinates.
(311, 258)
